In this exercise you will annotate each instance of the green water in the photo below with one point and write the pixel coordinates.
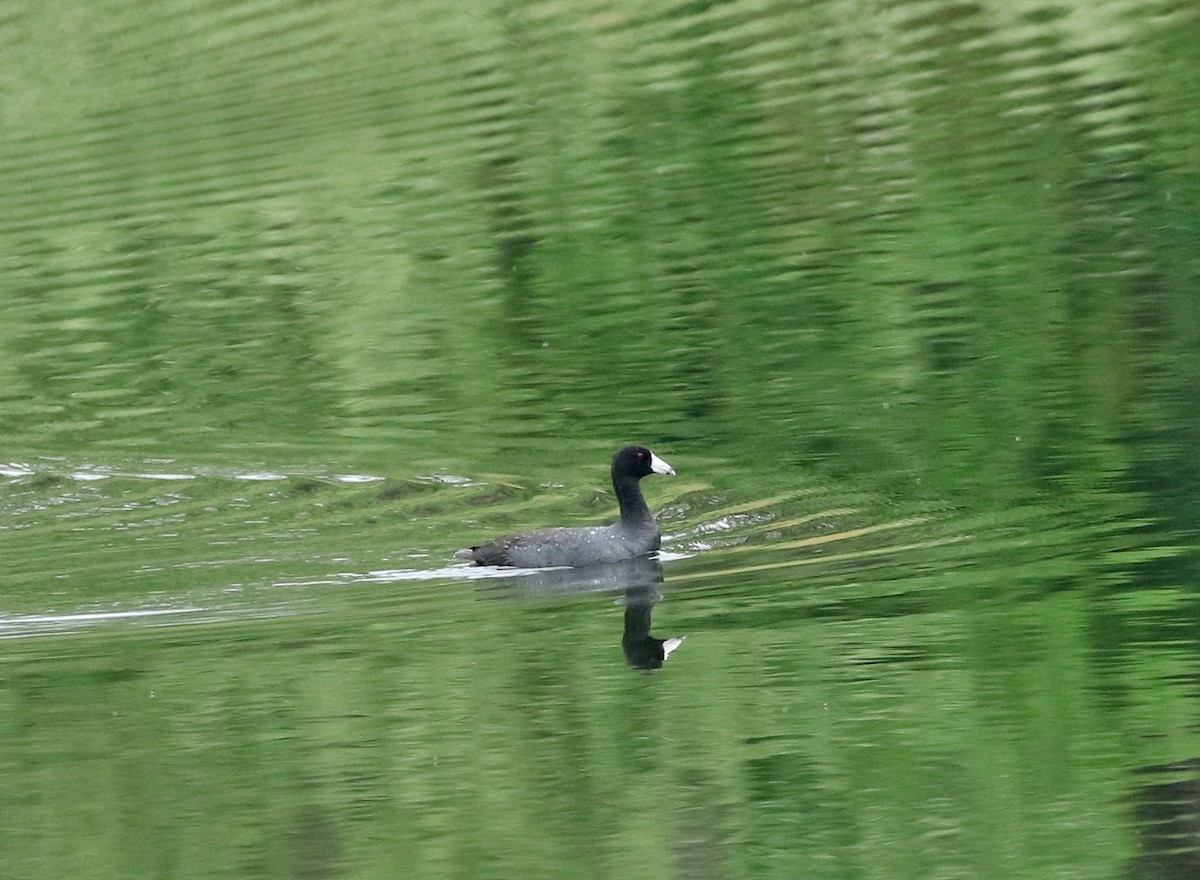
(297, 299)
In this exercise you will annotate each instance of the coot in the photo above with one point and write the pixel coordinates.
(635, 534)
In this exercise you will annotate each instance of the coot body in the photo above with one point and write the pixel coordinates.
(634, 534)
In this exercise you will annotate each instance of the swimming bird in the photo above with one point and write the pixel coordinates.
(634, 534)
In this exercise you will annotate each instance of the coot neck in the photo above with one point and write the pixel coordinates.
(629, 495)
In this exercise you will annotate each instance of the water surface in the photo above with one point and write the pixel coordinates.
(296, 300)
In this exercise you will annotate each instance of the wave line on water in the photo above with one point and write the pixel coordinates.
(836, 536)
(816, 560)
(25, 625)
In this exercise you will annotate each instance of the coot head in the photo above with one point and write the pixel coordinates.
(638, 461)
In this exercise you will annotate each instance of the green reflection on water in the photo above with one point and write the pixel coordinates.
(907, 295)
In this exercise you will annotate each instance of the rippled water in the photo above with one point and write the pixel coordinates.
(296, 299)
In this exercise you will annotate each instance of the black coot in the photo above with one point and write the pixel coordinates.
(635, 534)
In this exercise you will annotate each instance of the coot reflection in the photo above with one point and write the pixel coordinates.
(638, 579)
